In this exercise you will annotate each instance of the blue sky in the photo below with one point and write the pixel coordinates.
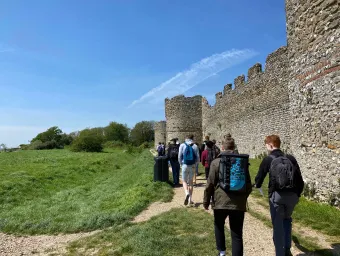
(78, 64)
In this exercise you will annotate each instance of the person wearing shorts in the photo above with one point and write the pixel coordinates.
(188, 170)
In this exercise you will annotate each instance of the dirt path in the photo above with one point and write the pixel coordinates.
(36, 245)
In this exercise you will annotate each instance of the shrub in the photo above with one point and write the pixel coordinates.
(113, 144)
(88, 141)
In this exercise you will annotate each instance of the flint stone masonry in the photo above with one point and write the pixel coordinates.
(297, 97)
(183, 117)
(160, 132)
(314, 88)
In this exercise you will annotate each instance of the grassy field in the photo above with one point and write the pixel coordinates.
(185, 231)
(58, 191)
(315, 215)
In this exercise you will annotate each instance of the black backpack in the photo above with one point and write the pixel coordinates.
(282, 171)
(234, 172)
(174, 152)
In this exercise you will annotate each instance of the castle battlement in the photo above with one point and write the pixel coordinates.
(294, 97)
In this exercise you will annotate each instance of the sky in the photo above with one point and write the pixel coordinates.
(77, 64)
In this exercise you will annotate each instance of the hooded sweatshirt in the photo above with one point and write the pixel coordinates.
(182, 148)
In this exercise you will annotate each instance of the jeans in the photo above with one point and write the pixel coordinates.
(175, 170)
(236, 219)
(197, 164)
(207, 169)
(281, 209)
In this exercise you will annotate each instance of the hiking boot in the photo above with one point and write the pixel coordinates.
(186, 199)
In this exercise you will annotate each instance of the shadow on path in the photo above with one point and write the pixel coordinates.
(330, 252)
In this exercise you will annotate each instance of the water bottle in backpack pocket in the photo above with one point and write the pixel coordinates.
(233, 172)
(189, 155)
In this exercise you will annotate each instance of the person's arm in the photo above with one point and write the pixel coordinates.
(197, 154)
(248, 186)
(263, 170)
(210, 186)
(180, 153)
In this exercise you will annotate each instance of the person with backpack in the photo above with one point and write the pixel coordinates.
(160, 149)
(173, 151)
(188, 156)
(203, 146)
(216, 148)
(284, 188)
(229, 185)
(208, 155)
(228, 137)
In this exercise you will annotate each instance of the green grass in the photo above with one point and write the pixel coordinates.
(322, 217)
(185, 231)
(58, 191)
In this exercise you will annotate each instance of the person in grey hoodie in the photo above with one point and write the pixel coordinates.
(188, 169)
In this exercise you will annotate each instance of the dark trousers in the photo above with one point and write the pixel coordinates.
(281, 209)
(207, 169)
(236, 219)
(175, 170)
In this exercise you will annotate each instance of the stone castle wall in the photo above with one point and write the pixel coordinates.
(313, 34)
(160, 132)
(297, 96)
(255, 108)
(183, 117)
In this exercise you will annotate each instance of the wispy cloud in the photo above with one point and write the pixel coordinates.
(5, 49)
(197, 73)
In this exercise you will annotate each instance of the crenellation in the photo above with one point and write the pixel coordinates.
(218, 96)
(254, 71)
(227, 89)
(296, 96)
(239, 81)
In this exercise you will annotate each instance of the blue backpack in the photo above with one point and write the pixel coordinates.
(189, 156)
(234, 172)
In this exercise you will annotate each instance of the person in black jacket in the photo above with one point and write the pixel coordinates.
(281, 201)
(173, 157)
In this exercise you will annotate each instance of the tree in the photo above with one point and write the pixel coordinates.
(142, 132)
(116, 132)
(52, 134)
(89, 140)
(3, 147)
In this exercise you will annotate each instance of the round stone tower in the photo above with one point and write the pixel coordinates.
(184, 117)
(160, 132)
(313, 33)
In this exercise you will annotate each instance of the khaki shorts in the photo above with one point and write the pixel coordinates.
(188, 173)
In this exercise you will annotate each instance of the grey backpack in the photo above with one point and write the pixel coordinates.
(282, 172)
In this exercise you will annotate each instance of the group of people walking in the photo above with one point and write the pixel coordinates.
(229, 185)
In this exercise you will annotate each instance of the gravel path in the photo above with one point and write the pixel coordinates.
(36, 245)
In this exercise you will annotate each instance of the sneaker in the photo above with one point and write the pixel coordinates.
(186, 199)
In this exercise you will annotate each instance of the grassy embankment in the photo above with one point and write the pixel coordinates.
(58, 191)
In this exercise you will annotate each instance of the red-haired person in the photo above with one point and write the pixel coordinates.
(285, 188)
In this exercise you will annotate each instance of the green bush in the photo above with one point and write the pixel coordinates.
(145, 145)
(113, 144)
(88, 141)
